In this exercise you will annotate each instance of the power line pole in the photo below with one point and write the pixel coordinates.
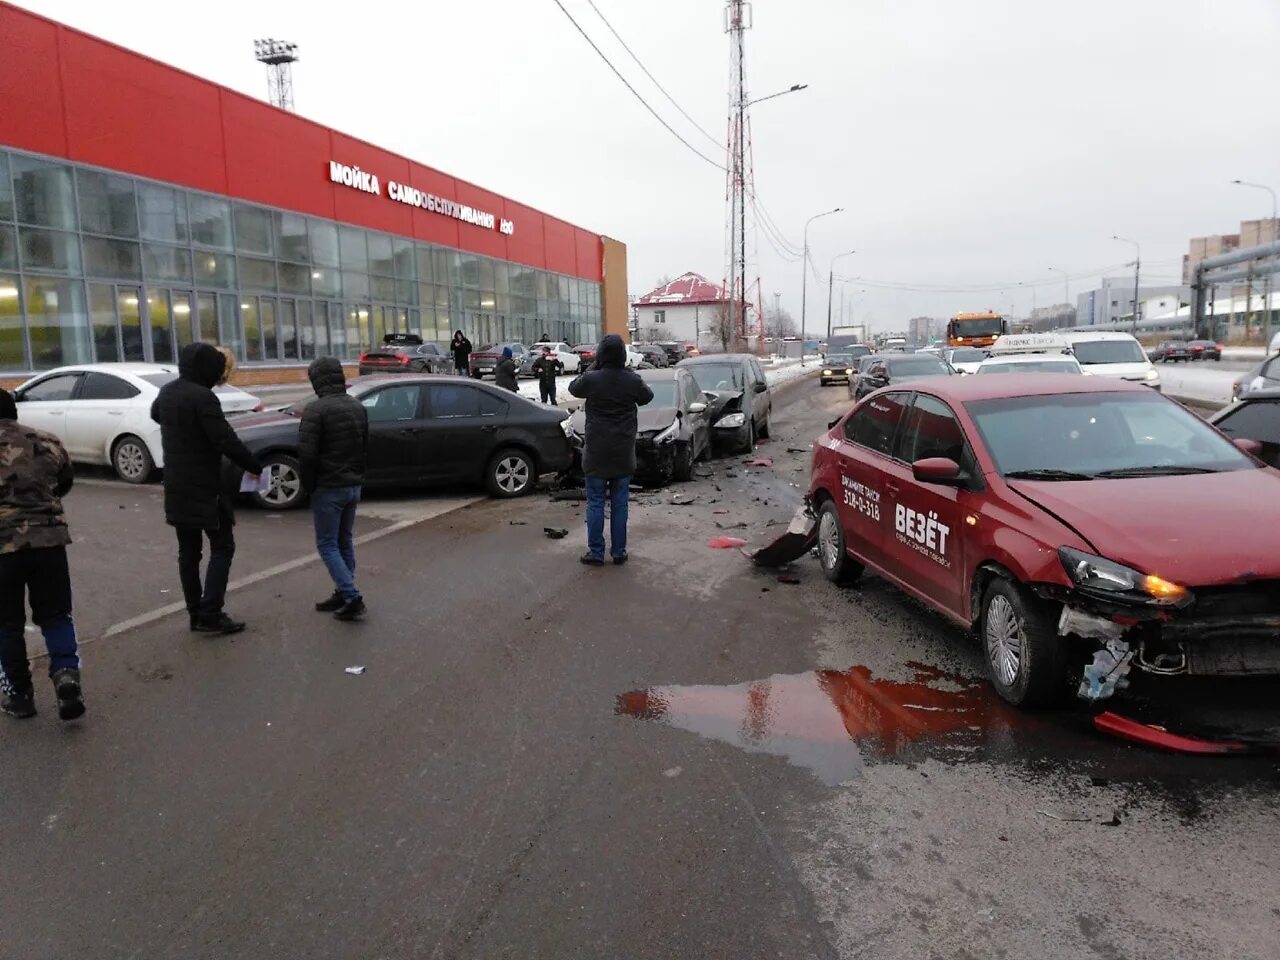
(737, 21)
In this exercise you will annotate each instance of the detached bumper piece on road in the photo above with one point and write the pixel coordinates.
(1158, 737)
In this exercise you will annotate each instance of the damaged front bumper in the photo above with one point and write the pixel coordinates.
(1231, 631)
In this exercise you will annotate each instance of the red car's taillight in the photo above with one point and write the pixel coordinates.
(364, 357)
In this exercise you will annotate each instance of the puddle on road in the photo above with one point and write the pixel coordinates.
(828, 721)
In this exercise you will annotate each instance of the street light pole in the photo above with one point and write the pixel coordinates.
(1066, 284)
(804, 276)
(831, 287)
(1137, 270)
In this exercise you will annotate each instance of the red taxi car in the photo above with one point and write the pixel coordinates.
(1059, 516)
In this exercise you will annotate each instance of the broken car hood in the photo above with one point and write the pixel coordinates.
(717, 400)
(1198, 529)
(647, 418)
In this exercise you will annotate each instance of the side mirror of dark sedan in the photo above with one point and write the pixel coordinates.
(761, 386)
(937, 470)
(831, 425)
(1251, 447)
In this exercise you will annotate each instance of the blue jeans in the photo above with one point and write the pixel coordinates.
(334, 512)
(619, 502)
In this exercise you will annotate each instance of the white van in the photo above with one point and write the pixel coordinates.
(1108, 354)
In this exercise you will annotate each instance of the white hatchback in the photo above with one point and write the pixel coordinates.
(102, 412)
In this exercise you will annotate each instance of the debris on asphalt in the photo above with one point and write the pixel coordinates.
(760, 462)
(764, 589)
(730, 526)
(800, 537)
(1153, 736)
(703, 472)
(555, 533)
(672, 772)
(355, 671)
(719, 511)
(797, 450)
(725, 543)
(1114, 821)
(1108, 671)
(683, 499)
(518, 523)
(1099, 782)
(789, 579)
(1064, 819)
(730, 473)
(568, 494)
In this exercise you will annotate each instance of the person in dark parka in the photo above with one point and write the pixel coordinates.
(546, 368)
(461, 348)
(195, 436)
(333, 440)
(504, 374)
(612, 394)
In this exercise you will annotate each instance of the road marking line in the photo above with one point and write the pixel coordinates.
(288, 566)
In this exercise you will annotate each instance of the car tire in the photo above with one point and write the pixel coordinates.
(132, 460)
(510, 473)
(285, 492)
(749, 441)
(682, 467)
(1025, 657)
(765, 427)
(833, 557)
(477, 375)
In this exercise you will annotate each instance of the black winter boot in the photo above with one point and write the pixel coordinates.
(66, 686)
(20, 703)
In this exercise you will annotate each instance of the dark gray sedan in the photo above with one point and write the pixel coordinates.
(424, 431)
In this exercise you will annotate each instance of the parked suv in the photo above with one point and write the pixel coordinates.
(738, 397)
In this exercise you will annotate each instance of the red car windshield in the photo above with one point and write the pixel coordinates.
(1101, 435)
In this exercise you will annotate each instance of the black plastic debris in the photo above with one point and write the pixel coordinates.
(518, 523)
(555, 533)
(800, 537)
(796, 450)
(730, 526)
(789, 579)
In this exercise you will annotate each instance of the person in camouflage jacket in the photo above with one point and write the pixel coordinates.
(35, 473)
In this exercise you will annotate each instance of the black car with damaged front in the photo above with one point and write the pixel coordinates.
(890, 369)
(739, 401)
(674, 428)
(424, 431)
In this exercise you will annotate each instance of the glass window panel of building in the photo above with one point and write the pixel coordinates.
(6, 188)
(107, 203)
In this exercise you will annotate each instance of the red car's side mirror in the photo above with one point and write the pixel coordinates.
(936, 470)
(1251, 447)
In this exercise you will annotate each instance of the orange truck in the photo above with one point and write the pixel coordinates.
(976, 329)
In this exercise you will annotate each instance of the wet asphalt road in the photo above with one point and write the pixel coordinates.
(683, 757)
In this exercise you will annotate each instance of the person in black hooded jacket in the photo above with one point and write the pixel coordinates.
(195, 436)
(612, 394)
(332, 444)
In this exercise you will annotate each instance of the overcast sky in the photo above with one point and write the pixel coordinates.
(971, 142)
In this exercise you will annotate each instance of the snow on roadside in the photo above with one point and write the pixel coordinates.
(1197, 382)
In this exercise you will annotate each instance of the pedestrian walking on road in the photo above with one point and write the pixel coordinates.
(504, 374)
(333, 441)
(612, 394)
(546, 368)
(461, 348)
(35, 474)
(195, 436)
